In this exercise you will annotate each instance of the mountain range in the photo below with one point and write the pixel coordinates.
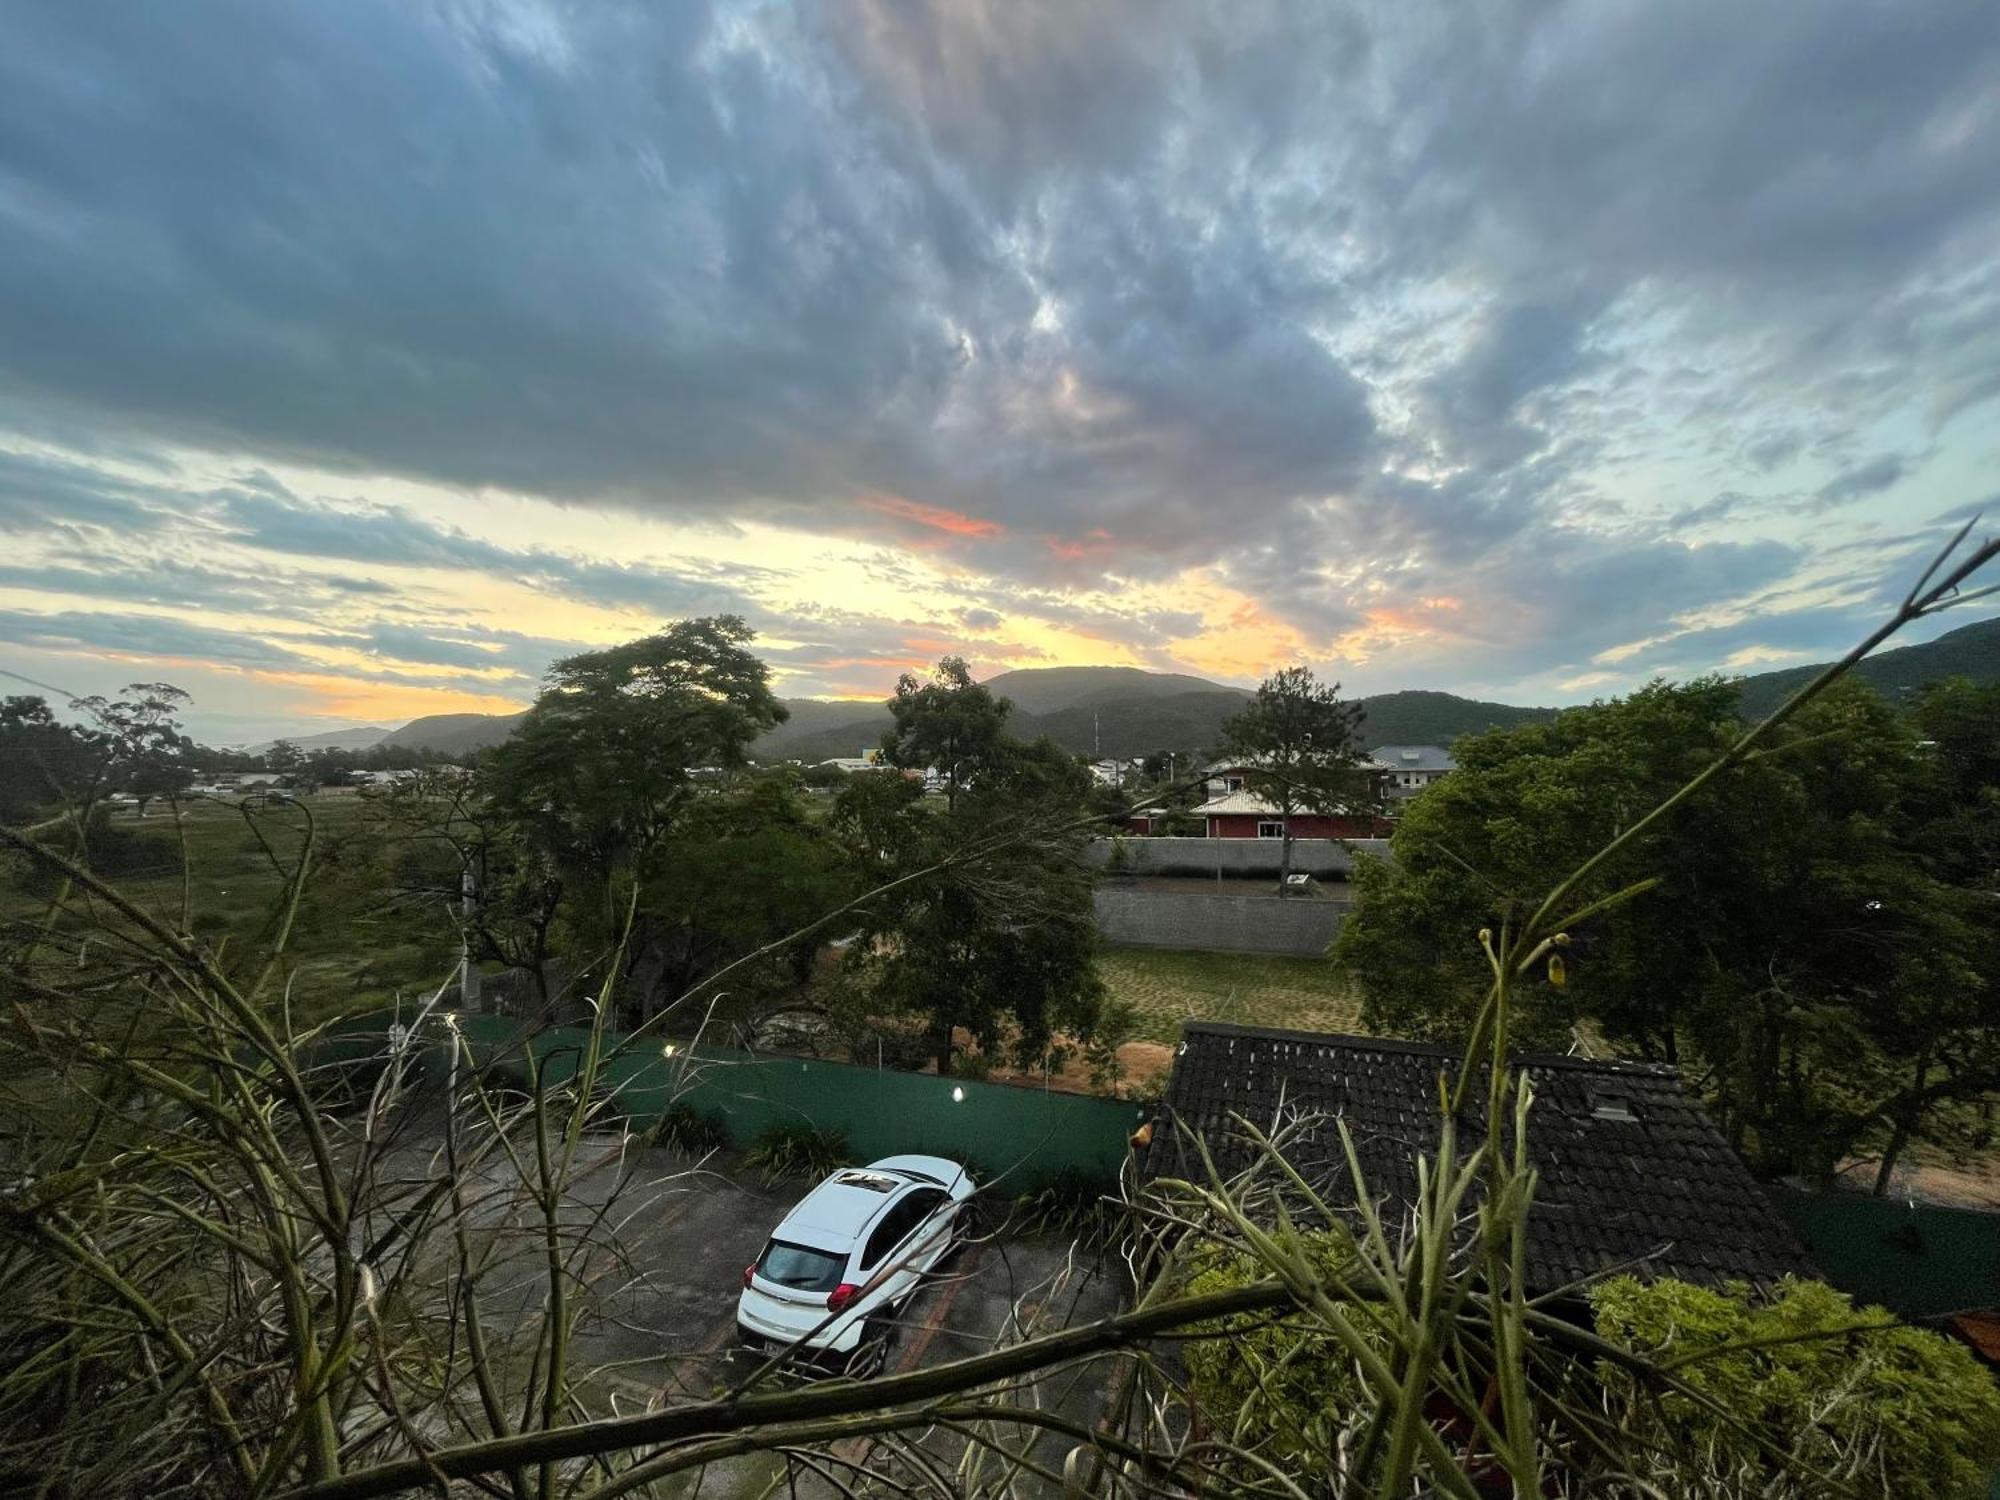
(1126, 711)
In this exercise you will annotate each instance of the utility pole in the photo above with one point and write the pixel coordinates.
(468, 975)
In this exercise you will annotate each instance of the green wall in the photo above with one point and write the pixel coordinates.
(1017, 1139)
(1916, 1260)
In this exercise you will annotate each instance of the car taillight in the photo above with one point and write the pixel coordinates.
(749, 1273)
(840, 1296)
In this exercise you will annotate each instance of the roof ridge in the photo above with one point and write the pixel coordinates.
(1354, 1041)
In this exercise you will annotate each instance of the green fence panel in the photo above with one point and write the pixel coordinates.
(1916, 1260)
(1016, 1138)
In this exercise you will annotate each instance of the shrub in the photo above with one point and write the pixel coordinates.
(796, 1149)
(1268, 1383)
(691, 1131)
(1084, 1205)
(1900, 1408)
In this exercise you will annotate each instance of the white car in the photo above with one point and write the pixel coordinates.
(849, 1256)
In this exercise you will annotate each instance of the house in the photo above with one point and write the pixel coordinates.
(1408, 769)
(1633, 1175)
(1114, 773)
(1232, 811)
(1245, 815)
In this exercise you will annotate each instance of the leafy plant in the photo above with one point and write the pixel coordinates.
(1085, 1206)
(691, 1131)
(796, 1148)
(1906, 1411)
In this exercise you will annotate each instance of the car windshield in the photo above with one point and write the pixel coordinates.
(797, 1266)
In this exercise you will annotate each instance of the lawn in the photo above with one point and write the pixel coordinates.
(1167, 987)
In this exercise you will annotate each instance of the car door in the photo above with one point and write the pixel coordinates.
(887, 1258)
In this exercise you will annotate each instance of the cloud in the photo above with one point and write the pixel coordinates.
(1313, 314)
(1870, 478)
(142, 636)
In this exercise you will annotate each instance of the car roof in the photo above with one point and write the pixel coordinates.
(843, 1206)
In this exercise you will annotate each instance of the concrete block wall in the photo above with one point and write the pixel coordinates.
(1221, 922)
(1176, 856)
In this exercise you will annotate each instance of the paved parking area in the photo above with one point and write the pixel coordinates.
(668, 1244)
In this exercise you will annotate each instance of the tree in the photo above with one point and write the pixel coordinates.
(1792, 946)
(999, 938)
(146, 753)
(603, 763)
(946, 721)
(44, 763)
(1296, 739)
(604, 767)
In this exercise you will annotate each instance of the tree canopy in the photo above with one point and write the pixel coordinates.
(1797, 951)
(976, 930)
(1296, 739)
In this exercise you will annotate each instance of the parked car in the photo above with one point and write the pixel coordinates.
(847, 1259)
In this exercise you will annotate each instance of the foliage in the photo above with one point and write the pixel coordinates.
(1083, 1206)
(145, 751)
(1908, 1412)
(797, 1148)
(44, 762)
(1268, 1383)
(947, 722)
(1296, 738)
(691, 1131)
(1791, 939)
(603, 764)
(983, 921)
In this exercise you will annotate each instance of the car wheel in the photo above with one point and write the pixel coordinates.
(872, 1353)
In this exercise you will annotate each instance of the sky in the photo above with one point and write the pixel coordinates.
(358, 360)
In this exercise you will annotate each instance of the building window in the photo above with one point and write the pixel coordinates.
(1232, 783)
(1270, 830)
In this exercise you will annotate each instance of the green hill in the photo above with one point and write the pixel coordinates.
(1124, 711)
(1425, 718)
(1969, 651)
(453, 734)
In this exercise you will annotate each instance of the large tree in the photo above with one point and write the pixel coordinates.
(948, 723)
(607, 763)
(606, 759)
(1797, 955)
(145, 751)
(1296, 740)
(985, 923)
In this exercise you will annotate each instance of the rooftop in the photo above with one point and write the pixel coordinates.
(1414, 757)
(1633, 1173)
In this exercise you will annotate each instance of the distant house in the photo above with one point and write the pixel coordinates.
(1408, 769)
(1232, 811)
(1114, 773)
(1633, 1175)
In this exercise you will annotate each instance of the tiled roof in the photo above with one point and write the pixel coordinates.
(1662, 1188)
(1242, 803)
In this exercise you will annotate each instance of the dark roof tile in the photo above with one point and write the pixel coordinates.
(1664, 1190)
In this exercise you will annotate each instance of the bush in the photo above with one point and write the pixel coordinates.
(1900, 1408)
(796, 1149)
(1083, 1205)
(1274, 1385)
(691, 1131)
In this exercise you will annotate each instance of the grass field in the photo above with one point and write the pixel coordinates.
(349, 948)
(1167, 987)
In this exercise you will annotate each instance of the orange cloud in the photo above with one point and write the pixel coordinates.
(1095, 543)
(936, 517)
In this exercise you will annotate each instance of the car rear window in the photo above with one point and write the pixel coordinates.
(801, 1267)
